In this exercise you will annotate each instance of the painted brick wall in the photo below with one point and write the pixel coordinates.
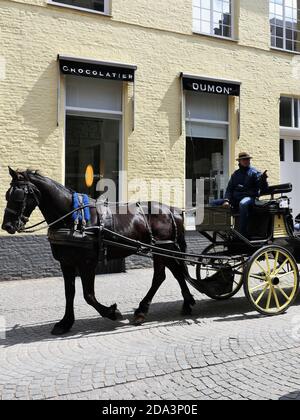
(159, 40)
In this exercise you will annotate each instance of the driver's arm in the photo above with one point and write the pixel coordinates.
(229, 191)
(263, 184)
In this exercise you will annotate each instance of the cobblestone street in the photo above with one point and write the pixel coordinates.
(223, 351)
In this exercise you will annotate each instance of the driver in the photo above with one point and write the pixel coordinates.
(245, 185)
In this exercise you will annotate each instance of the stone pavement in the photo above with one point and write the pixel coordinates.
(223, 351)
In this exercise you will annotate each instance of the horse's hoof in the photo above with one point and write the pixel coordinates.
(114, 313)
(139, 319)
(192, 302)
(118, 315)
(60, 329)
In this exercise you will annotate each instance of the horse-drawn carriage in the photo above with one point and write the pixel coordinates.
(265, 263)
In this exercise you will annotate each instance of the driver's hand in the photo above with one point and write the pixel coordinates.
(226, 205)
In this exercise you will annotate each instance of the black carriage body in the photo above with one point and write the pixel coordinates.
(271, 222)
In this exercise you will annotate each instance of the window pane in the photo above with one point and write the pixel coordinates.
(95, 142)
(98, 5)
(296, 113)
(205, 160)
(286, 112)
(279, 42)
(282, 150)
(215, 17)
(296, 147)
(285, 14)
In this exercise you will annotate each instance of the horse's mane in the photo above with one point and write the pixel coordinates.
(36, 172)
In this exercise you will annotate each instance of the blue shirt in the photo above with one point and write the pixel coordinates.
(245, 182)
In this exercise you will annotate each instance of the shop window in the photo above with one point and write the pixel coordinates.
(285, 24)
(91, 142)
(207, 144)
(296, 150)
(101, 6)
(213, 17)
(93, 135)
(289, 112)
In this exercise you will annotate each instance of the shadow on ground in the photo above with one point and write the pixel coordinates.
(237, 309)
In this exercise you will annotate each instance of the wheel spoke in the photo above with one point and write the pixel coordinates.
(282, 265)
(276, 261)
(283, 292)
(275, 297)
(261, 267)
(255, 288)
(269, 298)
(285, 274)
(268, 262)
(262, 294)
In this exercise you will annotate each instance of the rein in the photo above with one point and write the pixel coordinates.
(30, 229)
(32, 189)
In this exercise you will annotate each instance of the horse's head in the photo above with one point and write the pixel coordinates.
(22, 198)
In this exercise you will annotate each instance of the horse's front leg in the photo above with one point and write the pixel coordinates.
(65, 325)
(87, 274)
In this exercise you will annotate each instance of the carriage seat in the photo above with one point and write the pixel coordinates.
(278, 189)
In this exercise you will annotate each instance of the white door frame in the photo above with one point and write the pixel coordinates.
(288, 166)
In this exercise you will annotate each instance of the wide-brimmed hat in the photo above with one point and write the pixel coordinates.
(244, 155)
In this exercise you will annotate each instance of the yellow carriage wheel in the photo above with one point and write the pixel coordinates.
(271, 280)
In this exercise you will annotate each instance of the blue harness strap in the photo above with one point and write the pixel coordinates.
(81, 214)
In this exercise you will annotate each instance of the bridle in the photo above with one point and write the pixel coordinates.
(19, 192)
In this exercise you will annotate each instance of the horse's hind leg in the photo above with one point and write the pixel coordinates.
(180, 272)
(158, 279)
(65, 325)
(87, 274)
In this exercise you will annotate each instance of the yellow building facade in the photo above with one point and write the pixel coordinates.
(163, 45)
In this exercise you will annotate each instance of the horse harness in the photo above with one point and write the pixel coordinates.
(82, 234)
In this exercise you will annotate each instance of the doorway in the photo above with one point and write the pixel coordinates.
(290, 168)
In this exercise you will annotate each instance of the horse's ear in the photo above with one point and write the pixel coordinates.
(13, 173)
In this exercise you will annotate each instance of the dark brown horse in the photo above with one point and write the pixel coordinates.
(29, 189)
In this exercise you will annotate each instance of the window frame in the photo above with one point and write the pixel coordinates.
(284, 28)
(293, 126)
(107, 7)
(232, 37)
(102, 113)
